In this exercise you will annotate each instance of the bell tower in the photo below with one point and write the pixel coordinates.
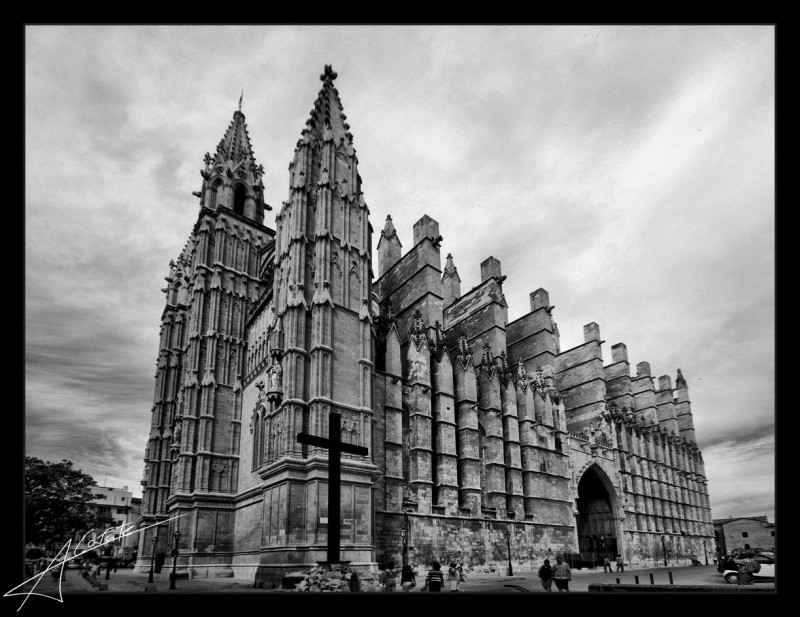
(321, 347)
(192, 456)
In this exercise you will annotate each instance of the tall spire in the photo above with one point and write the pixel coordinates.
(231, 176)
(235, 145)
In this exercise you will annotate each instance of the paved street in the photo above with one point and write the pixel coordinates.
(127, 581)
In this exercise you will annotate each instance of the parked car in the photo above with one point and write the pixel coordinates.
(730, 569)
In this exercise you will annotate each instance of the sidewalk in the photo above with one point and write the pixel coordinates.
(127, 581)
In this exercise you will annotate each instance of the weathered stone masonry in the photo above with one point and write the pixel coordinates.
(475, 426)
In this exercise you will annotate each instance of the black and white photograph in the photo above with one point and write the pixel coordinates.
(486, 309)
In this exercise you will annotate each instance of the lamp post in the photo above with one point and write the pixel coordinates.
(153, 556)
(664, 547)
(508, 543)
(404, 537)
(174, 560)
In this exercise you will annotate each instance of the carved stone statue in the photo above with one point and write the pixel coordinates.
(275, 376)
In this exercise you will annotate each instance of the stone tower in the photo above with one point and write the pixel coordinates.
(191, 459)
(318, 325)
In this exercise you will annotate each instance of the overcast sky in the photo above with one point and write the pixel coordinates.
(627, 170)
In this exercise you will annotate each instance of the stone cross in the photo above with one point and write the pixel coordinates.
(335, 448)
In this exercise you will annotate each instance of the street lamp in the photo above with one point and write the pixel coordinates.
(174, 560)
(664, 547)
(508, 543)
(404, 537)
(153, 556)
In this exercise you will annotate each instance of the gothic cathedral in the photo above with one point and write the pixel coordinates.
(475, 427)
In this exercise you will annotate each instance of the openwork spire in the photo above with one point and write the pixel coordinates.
(234, 153)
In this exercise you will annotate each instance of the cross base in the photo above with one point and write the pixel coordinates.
(328, 565)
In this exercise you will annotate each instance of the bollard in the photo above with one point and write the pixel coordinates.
(636, 578)
(670, 578)
(652, 582)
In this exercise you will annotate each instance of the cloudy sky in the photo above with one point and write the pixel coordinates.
(627, 170)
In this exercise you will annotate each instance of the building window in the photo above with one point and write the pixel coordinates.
(772, 533)
(120, 510)
(122, 499)
(744, 534)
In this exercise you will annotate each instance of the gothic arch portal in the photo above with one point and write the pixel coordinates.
(598, 520)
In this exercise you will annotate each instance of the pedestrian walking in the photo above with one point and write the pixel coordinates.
(620, 564)
(747, 568)
(562, 575)
(546, 575)
(453, 575)
(435, 578)
(389, 581)
(408, 580)
(606, 564)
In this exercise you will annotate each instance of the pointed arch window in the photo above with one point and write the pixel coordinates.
(238, 199)
(217, 192)
(177, 295)
(406, 427)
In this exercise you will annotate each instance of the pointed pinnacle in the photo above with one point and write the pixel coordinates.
(328, 75)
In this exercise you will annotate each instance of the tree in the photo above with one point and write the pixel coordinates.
(58, 502)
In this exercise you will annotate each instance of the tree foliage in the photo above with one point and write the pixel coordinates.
(58, 502)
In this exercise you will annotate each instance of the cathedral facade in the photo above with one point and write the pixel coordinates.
(486, 441)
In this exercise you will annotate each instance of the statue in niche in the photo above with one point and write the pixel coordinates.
(275, 376)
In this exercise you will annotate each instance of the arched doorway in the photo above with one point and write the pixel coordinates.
(597, 520)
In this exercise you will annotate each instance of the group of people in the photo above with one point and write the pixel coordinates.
(607, 564)
(434, 580)
(560, 574)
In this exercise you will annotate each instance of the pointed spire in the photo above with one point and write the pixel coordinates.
(326, 120)
(417, 329)
(438, 346)
(389, 247)
(451, 282)
(464, 352)
(388, 229)
(521, 378)
(450, 268)
(487, 362)
(234, 153)
(680, 382)
(504, 372)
